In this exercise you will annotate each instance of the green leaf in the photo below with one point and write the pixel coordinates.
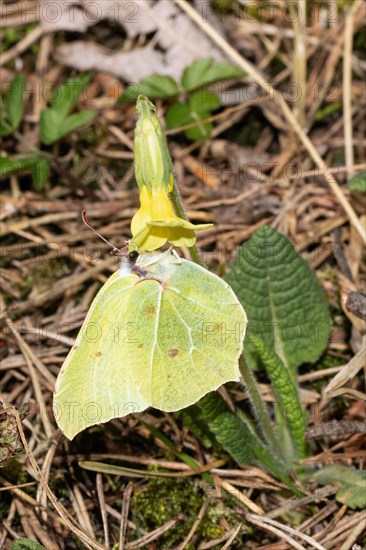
(77, 120)
(203, 131)
(154, 86)
(285, 304)
(178, 115)
(26, 544)
(39, 166)
(228, 429)
(7, 165)
(286, 395)
(55, 122)
(236, 438)
(204, 101)
(203, 71)
(54, 126)
(15, 100)
(65, 97)
(5, 128)
(194, 75)
(50, 125)
(351, 483)
(181, 115)
(358, 182)
(327, 110)
(40, 173)
(192, 418)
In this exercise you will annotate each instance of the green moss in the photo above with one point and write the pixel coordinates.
(14, 472)
(44, 274)
(160, 500)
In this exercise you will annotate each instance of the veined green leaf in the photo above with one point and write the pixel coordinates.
(192, 418)
(286, 394)
(351, 483)
(236, 438)
(286, 306)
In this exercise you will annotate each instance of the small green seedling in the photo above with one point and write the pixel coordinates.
(55, 123)
(56, 120)
(193, 102)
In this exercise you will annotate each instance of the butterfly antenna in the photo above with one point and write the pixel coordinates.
(85, 220)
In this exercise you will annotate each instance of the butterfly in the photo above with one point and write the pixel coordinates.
(162, 332)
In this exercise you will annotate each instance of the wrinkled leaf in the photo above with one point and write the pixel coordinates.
(192, 418)
(154, 86)
(351, 483)
(286, 394)
(236, 438)
(286, 305)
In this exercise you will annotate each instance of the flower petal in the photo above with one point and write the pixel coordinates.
(179, 222)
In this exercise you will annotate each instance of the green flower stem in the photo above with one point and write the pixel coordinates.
(180, 211)
(261, 414)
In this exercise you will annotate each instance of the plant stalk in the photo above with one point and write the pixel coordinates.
(180, 211)
(260, 410)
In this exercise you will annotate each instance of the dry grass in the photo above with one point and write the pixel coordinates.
(52, 266)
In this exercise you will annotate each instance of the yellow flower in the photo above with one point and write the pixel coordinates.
(156, 223)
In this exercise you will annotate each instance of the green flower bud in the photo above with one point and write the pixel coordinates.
(153, 165)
